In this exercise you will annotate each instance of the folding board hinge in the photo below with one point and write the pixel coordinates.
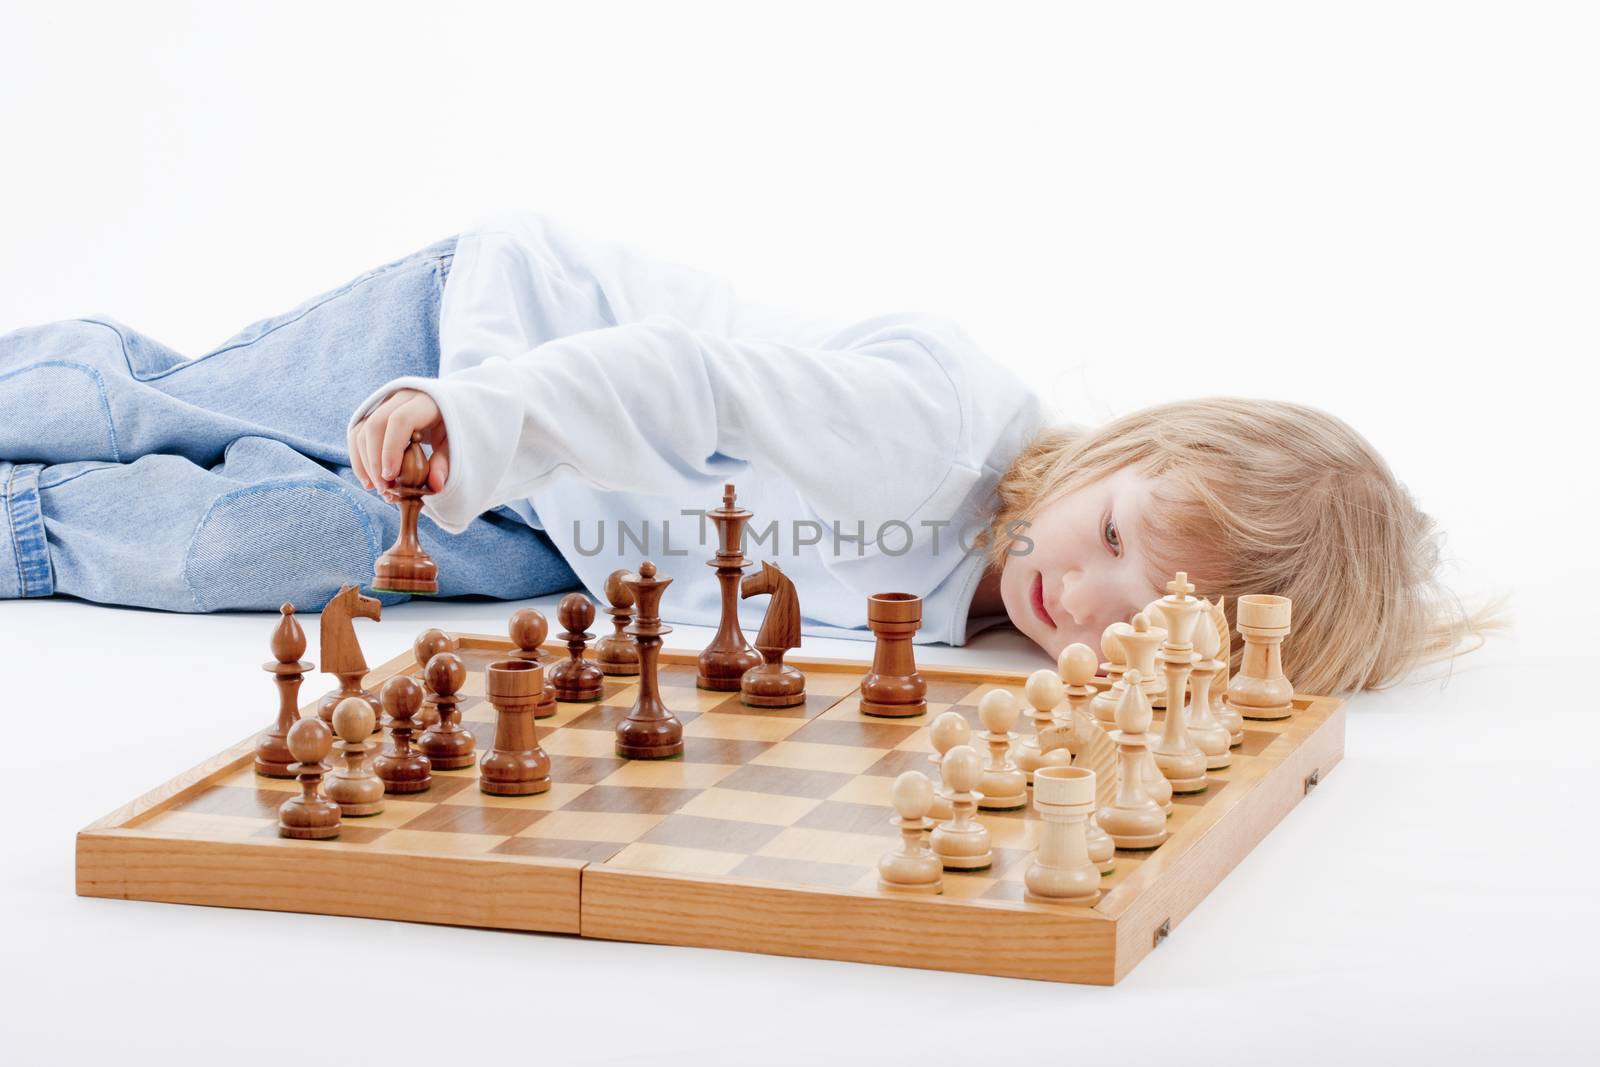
(1312, 779)
(1161, 933)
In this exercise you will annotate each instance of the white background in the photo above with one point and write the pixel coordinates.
(1385, 210)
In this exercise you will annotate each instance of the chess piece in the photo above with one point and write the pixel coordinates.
(341, 652)
(516, 766)
(575, 679)
(429, 643)
(288, 670)
(353, 786)
(1208, 734)
(949, 730)
(309, 816)
(773, 683)
(723, 663)
(1179, 758)
(1043, 691)
(650, 730)
(1260, 690)
(894, 689)
(402, 769)
(913, 867)
(406, 567)
(962, 844)
(1225, 713)
(1061, 871)
(616, 654)
(1141, 644)
(1003, 786)
(1104, 706)
(447, 746)
(1090, 747)
(528, 629)
(1133, 819)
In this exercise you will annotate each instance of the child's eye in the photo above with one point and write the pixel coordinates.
(1113, 539)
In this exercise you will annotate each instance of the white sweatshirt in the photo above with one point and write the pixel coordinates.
(591, 389)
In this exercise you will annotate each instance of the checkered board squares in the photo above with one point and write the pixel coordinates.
(794, 796)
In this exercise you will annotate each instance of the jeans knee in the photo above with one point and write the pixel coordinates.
(293, 540)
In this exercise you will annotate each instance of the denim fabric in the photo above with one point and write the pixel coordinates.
(130, 475)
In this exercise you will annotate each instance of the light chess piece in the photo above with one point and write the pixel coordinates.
(1261, 690)
(1115, 665)
(1042, 692)
(949, 729)
(309, 816)
(1133, 819)
(913, 867)
(288, 670)
(1208, 734)
(962, 844)
(1225, 713)
(1003, 786)
(1142, 644)
(1061, 871)
(1090, 747)
(1180, 759)
(353, 785)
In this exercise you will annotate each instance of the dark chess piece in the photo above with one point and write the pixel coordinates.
(447, 746)
(528, 629)
(617, 653)
(894, 689)
(406, 568)
(575, 679)
(288, 670)
(650, 730)
(309, 816)
(516, 766)
(729, 655)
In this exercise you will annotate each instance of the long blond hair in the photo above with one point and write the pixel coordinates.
(1266, 496)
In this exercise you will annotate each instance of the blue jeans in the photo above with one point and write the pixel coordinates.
(130, 475)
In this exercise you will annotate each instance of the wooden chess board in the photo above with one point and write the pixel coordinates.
(763, 837)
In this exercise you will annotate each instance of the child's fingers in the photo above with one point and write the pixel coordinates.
(415, 413)
(371, 434)
(439, 466)
(358, 468)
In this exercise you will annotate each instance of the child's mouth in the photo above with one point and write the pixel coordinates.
(1036, 595)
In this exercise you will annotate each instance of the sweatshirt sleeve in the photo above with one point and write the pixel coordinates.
(866, 429)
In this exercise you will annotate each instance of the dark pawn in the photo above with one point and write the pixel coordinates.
(402, 769)
(575, 679)
(617, 653)
(528, 630)
(447, 746)
(309, 816)
(429, 643)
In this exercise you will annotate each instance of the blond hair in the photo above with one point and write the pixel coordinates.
(1265, 496)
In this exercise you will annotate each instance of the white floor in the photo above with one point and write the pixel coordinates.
(1434, 893)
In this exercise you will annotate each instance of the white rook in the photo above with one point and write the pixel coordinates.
(1061, 871)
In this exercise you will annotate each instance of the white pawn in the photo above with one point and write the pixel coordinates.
(353, 785)
(913, 867)
(1209, 735)
(1077, 671)
(949, 729)
(1132, 818)
(1104, 706)
(1061, 871)
(1003, 786)
(1043, 692)
(962, 843)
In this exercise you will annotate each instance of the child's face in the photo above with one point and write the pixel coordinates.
(1086, 568)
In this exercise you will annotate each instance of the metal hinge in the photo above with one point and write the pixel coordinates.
(1161, 933)
(1312, 779)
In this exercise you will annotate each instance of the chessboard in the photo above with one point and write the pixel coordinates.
(763, 837)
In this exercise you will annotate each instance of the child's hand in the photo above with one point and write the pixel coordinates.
(378, 441)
